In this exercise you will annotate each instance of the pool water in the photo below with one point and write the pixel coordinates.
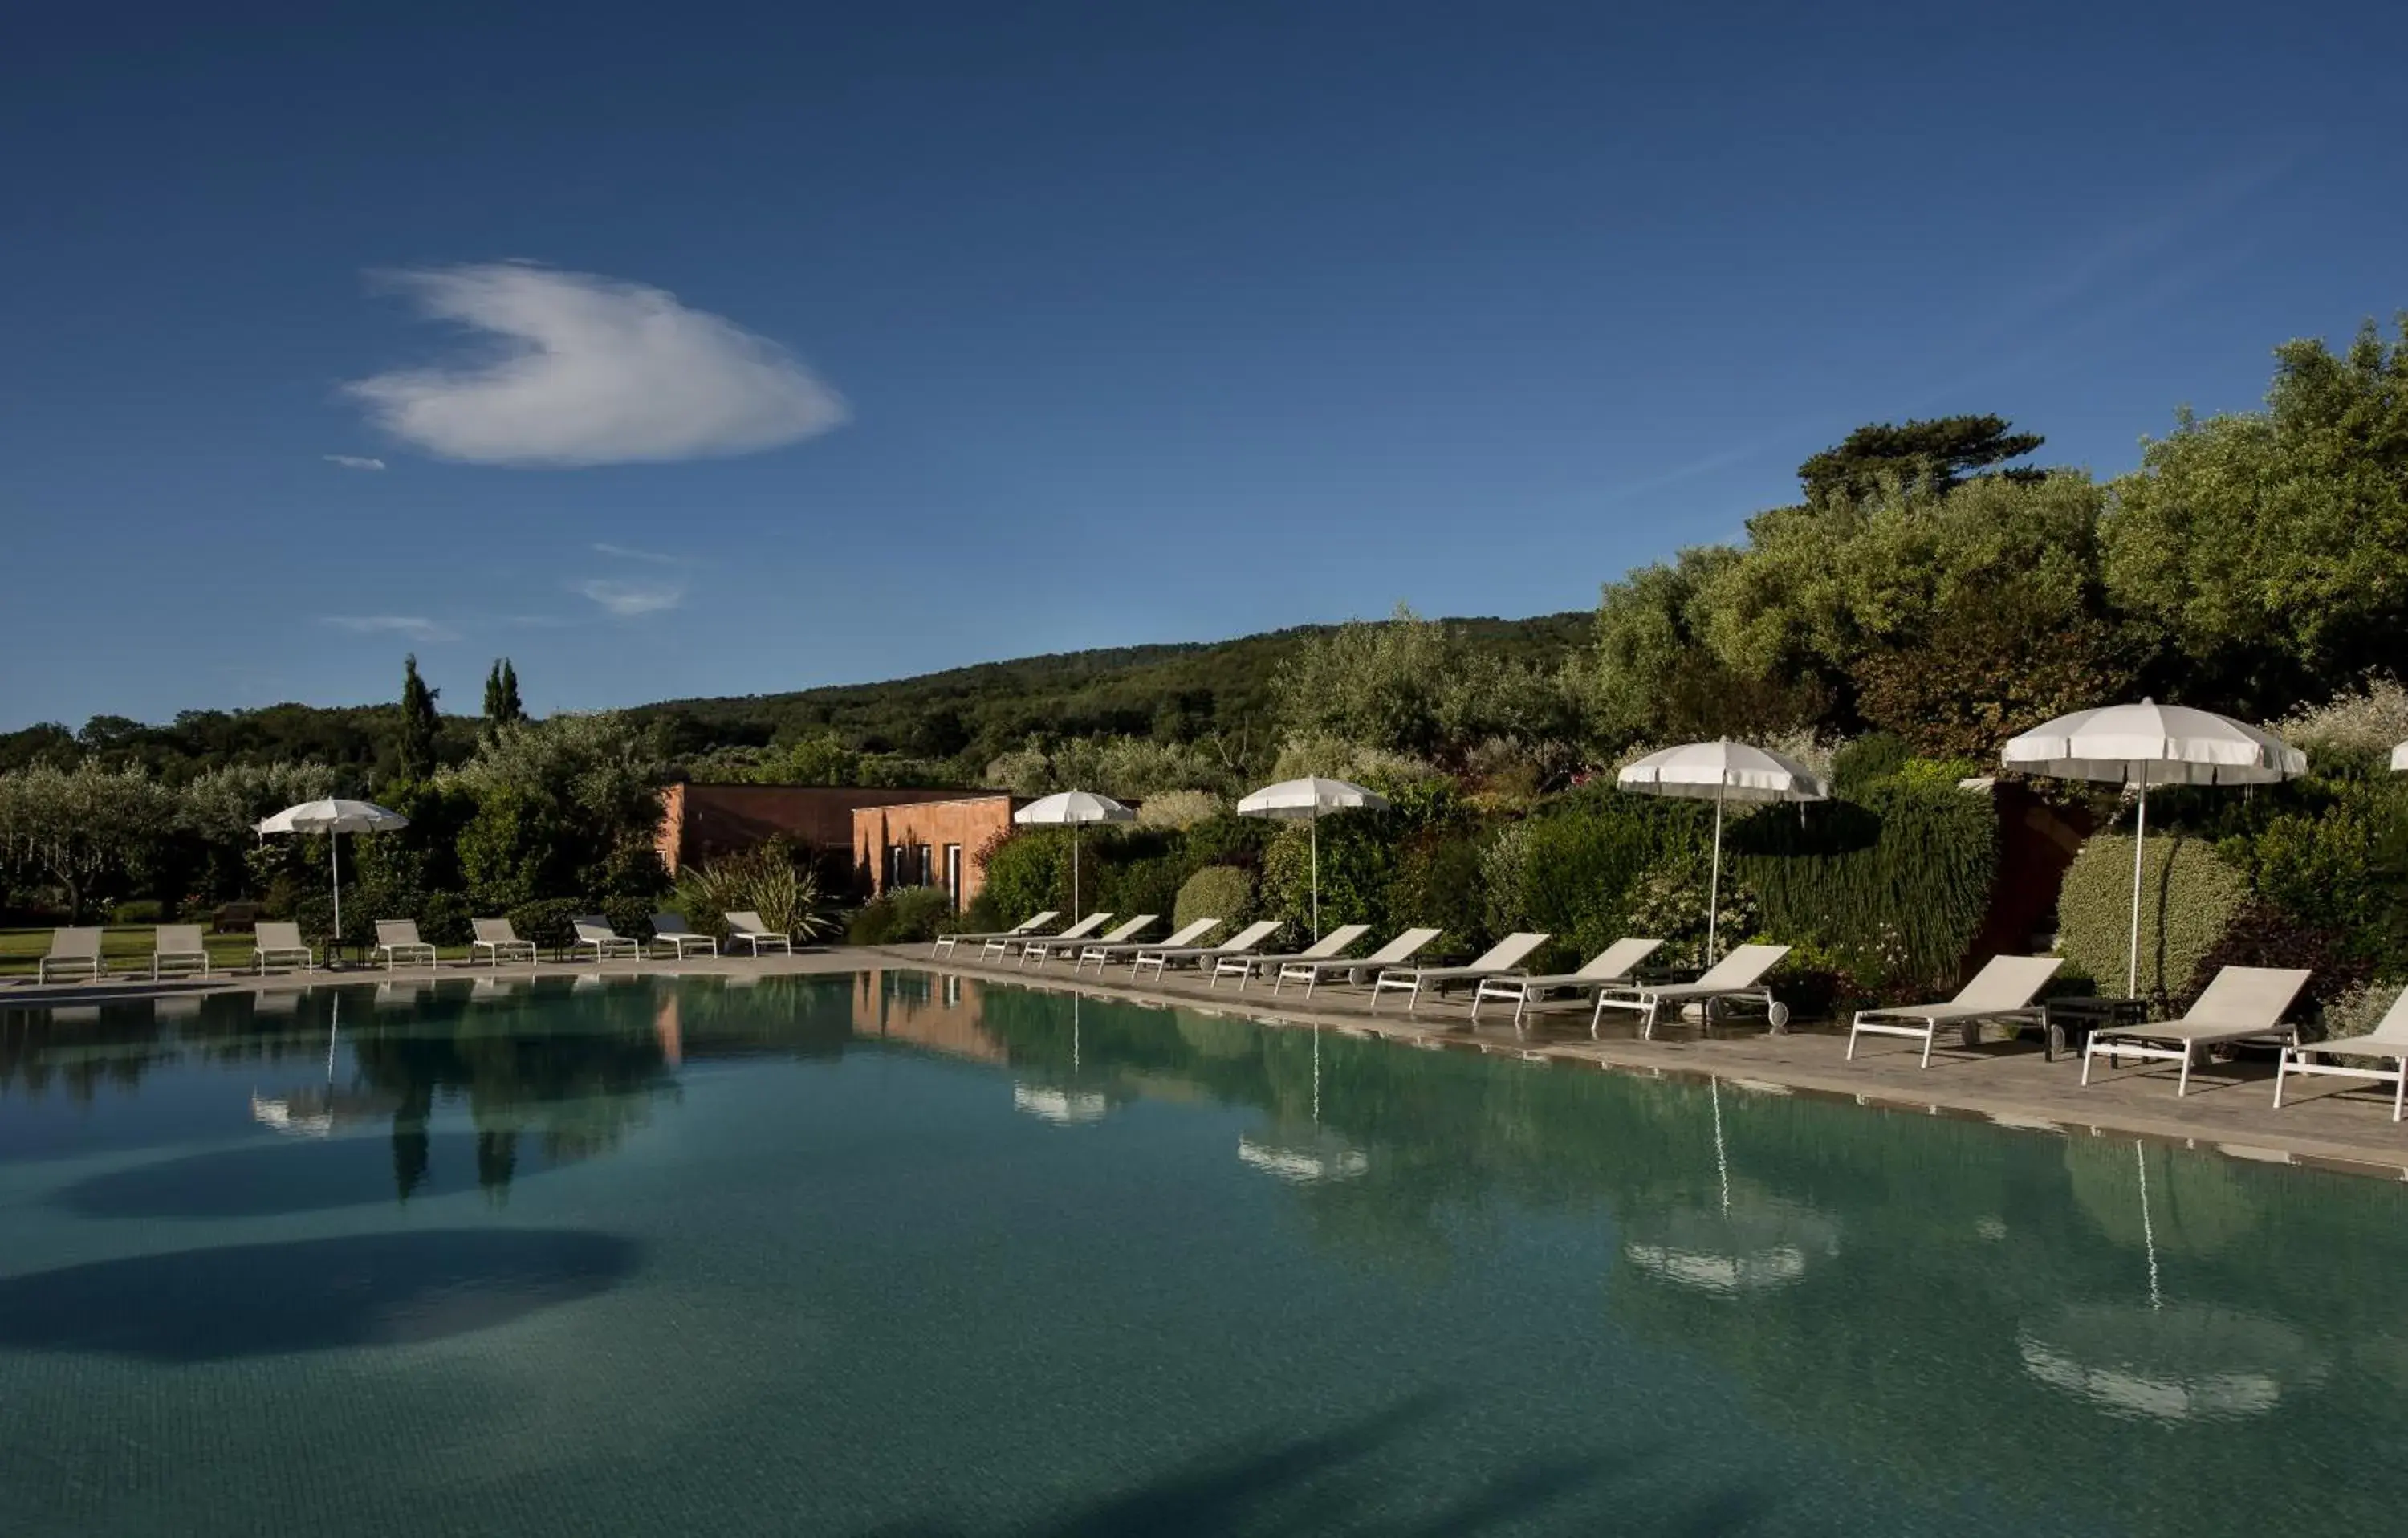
(898, 1253)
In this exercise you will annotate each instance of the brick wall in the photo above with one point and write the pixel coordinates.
(699, 821)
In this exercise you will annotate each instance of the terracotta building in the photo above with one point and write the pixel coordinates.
(699, 821)
(930, 843)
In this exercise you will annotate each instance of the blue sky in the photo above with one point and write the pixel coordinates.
(717, 349)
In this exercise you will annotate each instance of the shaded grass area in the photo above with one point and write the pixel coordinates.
(127, 950)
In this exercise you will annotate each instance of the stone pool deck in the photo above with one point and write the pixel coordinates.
(2329, 1124)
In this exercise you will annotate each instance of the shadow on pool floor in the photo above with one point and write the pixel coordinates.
(304, 1176)
(309, 1294)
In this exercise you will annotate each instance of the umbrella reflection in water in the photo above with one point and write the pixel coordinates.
(1748, 1242)
(2168, 1361)
(1062, 1107)
(1312, 1158)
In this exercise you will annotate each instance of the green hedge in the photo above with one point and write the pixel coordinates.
(1892, 886)
(1577, 867)
(1226, 892)
(2188, 898)
(906, 915)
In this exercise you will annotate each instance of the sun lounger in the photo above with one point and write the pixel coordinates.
(593, 932)
(745, 928)
(1309, 973)
(2240, 1004)
(497, 939)
(180, 947)
(672, 930)
(1504, 957)
(1610, 965)
(1042, 951)
(1250, 967)
(1189, 933)
(999, 946)
(1738, 975)
(397, 939)
(945, 944)
(2387, 1043)
(274, 942)
(71, 950)
(2004, 989)
(1165, 956)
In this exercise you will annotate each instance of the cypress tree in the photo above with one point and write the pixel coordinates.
(511, 709)
(418, 724)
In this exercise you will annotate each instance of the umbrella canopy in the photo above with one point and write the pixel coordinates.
(2151, 744)
(330, 817)
(2399, 758)
(1307, 801)
(335, 816)
(1074, 809)
(1719, 772)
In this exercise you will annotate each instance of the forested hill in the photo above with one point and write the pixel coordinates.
(1178, 691)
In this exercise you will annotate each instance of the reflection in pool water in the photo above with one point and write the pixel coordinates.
(816, 1255)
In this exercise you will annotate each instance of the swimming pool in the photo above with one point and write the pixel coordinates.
(903, 1253)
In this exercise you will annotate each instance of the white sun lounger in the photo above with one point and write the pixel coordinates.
(1103, 956)
(1250, 967)
(593, 932)
(73, 950)
(945, 944)
(277, 940)
(398, 938)
(497, 939)
(745, 928)
(2387, 1043)
(1042, 951)
(1311, 972)
(1738, 975)
(1163, 956)
(1610, 965)
(2004, 989)
(179, 946)
(1003, 945)
(2242, 1004)
(1504, 957)
(672, 930)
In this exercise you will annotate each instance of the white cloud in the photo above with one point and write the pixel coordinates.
(627, 600)
(653, 556)
(592, 371)
(353, 462)
(415, 627)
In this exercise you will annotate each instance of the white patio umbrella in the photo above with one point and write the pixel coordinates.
(1719, 772)
(2151, 744)
(1074, 809)
(332, 818)
(2400, 759)
(1304, 801)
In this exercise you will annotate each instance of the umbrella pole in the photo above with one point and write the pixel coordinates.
(2140, 836)
(1714, 885)
(1315, 823)
(1074, 873)
(335, 869)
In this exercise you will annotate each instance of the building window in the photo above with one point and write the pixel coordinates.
(953, 874)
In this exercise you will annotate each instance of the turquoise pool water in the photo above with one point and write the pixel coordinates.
(898, 1254)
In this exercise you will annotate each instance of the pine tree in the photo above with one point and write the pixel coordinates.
(418, 724)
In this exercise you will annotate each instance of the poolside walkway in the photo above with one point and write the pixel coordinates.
(2229, 1108)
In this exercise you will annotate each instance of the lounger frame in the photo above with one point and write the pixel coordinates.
(398, 937)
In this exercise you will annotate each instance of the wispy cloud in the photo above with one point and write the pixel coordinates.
(353, 462)
(652, 557)
(592, 371)
(415, 627)
(627, 600)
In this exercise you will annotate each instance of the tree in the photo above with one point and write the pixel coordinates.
(502, 695)
(1942, 452)
(87, 830)
(418, 723)
(566, 807)
(2270, 549)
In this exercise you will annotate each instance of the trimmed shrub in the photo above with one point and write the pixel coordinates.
(1438, 882)
(444, 918)
(1224, 892)
(629, 917)
(901, 916)
(1573, 869)
(2263, 935)
(1893, 886)
(980, 917)
(2188, 898)
(147, 911)
(1024, 872)
(545, 923)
